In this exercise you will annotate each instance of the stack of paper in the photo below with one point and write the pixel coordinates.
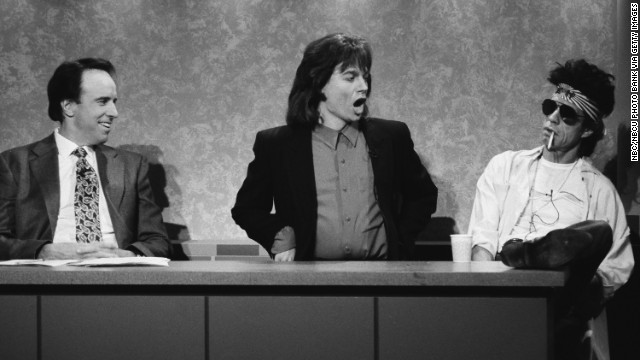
(120, 261)
(124, 261)
(35, 262)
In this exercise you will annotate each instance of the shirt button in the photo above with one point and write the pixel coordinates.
(347, 249)
(344, 189)
(343, 161)
(348, 219)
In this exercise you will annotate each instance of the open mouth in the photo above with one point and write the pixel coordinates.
(360, 102)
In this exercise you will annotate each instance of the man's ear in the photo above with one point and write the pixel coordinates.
(68, 107)
(586, 133)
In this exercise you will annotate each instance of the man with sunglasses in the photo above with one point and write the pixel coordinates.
(549, 208)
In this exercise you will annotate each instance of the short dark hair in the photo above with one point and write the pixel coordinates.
(595, 84)
(65, 84)
(318, 62)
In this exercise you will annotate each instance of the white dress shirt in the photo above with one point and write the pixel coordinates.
(66, 226)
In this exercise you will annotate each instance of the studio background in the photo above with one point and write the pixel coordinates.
(198, 79)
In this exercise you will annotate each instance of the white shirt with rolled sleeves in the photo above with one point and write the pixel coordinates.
(502, 193)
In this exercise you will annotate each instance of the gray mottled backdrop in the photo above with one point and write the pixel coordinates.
(197, 79)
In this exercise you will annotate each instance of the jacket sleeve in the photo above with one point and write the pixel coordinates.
(10, 246)
(152, 237)
(254, 202)
(617, 266)
(419, 193)
(485, 213)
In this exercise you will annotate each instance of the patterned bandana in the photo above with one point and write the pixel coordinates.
(568, 94)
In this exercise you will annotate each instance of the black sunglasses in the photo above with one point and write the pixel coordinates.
(567, 114)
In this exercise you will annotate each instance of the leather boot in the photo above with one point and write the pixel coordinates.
(552, 251)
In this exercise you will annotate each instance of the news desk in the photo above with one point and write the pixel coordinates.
(266, 310)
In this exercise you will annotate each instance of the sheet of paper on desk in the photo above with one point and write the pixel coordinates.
(35, 262)
(124, 261)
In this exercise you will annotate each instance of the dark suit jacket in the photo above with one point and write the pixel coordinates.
(282, 174)
(30, 200)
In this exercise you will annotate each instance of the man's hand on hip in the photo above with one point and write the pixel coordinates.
(284, 256)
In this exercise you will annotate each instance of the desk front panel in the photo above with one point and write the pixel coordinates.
(291, 327)
(110, 326)
(464, 328)
(18, 327)
(339, 310)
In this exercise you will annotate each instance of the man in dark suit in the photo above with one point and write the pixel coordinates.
(344, 186)
(69, 196)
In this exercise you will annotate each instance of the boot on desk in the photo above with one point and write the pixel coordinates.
(552, 251)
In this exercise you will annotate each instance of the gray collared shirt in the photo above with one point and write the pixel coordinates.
(350, 223)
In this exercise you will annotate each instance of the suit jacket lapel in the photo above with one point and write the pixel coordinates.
(43, 162)
(300, 174)
(380, 152)
(111, 172)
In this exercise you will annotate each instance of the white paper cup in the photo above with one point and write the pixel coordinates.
(461, 247)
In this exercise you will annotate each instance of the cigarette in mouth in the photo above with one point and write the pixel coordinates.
(550, 141)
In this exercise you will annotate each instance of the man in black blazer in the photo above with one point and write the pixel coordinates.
(39, 207)
(344, 185)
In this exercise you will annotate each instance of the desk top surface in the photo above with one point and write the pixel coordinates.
(267, 272)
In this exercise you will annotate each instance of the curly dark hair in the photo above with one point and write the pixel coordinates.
(320, 58)
(595, 84)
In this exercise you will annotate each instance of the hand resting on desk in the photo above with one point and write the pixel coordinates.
(479, 253)
(64, 251)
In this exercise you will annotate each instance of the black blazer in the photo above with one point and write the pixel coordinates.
(282, 174)
(30, 200)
